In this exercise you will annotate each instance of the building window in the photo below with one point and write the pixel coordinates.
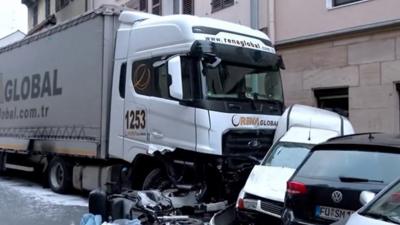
(156, 7)
(143, 5)
(335, 99)
(335, 3)
(217, 5)
(188, 7)
(60, 4)
(47, 8)
(35, 15)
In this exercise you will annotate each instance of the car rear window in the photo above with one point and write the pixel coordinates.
(333, 164)
(286, 154)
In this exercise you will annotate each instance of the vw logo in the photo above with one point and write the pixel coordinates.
(254, 143)
(337, 196)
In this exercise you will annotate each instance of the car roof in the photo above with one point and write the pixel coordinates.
(366, 140)
(306, 135)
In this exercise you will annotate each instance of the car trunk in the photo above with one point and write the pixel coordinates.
(329, 200)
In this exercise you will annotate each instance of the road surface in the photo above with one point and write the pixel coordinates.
(23, 201)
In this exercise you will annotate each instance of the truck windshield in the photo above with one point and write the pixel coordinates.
(233, 81)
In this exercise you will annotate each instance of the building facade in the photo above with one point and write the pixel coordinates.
(342, 55)
(247, 12)
(41, 10)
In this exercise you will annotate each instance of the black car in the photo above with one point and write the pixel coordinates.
(327, 185)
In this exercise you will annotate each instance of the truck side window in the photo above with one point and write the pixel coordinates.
(122, 80)
(149, 80)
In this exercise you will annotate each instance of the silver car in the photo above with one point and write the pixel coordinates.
(384, 209)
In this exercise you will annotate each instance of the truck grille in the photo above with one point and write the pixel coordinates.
(272, 206)
(247, 142)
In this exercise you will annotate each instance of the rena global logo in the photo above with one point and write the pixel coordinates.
(252, 121)
(29, 87)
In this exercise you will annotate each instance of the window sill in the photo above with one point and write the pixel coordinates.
(346, 5)
(220, 9)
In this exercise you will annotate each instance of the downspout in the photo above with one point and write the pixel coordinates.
(271, 20)
(176, 7)
(254, 14)
(254, 23)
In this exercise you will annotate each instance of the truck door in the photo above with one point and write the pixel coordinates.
(160, 122)
(136, 115)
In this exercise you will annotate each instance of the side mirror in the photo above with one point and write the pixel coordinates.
(175, 71)
(366, 197)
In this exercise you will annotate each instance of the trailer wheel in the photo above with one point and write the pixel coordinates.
(60, 175)
(156, 179)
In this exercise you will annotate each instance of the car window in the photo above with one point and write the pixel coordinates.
(387, 206)
(287, 155)
(377, 166)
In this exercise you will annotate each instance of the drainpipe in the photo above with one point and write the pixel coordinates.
(271, 20)
(254, 14)
(254, 23)
(176, 7)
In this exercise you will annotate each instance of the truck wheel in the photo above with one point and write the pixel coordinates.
(60, 175)
(156, 179)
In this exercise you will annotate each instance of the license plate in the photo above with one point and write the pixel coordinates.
(332, 213)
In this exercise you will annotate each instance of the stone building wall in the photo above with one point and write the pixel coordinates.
(368, 64)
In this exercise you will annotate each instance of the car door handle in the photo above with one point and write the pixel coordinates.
(157, 134)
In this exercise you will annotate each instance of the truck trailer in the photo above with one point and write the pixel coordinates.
(117, 98)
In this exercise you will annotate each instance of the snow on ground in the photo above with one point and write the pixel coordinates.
(25, 201)
(38, 193)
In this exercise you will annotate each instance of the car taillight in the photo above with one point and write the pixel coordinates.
(240, 203)
(296, 188)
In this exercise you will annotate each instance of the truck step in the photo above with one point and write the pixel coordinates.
(19, 167)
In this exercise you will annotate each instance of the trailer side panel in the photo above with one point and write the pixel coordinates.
(54, 90)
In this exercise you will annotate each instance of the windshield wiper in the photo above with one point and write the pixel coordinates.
(381, 217)
(357, 179)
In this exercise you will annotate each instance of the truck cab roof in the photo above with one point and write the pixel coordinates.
(189, 25)
(177, 33)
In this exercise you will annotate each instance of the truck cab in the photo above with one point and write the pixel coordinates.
(192, 94)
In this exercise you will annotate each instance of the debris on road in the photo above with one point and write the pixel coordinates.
(153, 207)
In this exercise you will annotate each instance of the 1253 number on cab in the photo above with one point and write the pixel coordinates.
(135, 122)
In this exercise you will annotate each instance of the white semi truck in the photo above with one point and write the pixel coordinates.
(121, 97)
